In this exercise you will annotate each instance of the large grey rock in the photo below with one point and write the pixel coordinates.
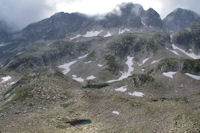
(180, 19)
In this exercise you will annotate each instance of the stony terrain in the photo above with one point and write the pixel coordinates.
(108, 76)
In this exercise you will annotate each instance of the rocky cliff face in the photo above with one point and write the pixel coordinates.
(63, 25)
(152, 18)
(179, 19)
(189, 38)
(121, 73)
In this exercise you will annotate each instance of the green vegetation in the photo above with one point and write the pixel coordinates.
(95, 86)
(122, 46)
(169, 64)
(182, 65)
(65, 105)
(61, 126)
(92, 55)
(191, 66)
(186, 37)
(187, 122)
(141, 79)
(161, 38)
(111, 63)
(22, 93)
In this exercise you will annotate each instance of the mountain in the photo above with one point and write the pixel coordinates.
(118, 73)
(180, 19)
(5, 31)
(189, 38)
(63, 25)
(152, 18)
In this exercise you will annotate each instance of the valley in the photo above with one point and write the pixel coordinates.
(132, 72)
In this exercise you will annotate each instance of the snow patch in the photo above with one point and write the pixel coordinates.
(78, 79)
(92, 33)
(193, 76)
(125, 75)
(123, 30)
(99, 65)
(115, 112)
(155, 61)
(122, 89)
(87, 62)
(87, 34)
(67, 66)
(91, 77)
(2, 45)
(84, 56)
(136, 94)
(77, 36)
(5, 79)
(143, 62)
(12, 83)
(108, 34)
(190, 54)
(172, 51)
(143, 23)
(10, 98)
(169, 74)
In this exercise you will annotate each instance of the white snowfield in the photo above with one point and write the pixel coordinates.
(169, 74)
(108, 34)
(155, 61)
(5, 79)
(143, 62)
(78, 79)
(87, 34)
(88, 62)
(1, 45)
(99, 65)
(173, 51)
(92, 33)
(67, 66)
(12, 83)
(77, 36)
(190, 54)
(123, 30)
(115, 112)
(91, 77)
(136, 94)
(84, 56)
(143, 23)
(122, 89)
(125, 75)
(193, 76)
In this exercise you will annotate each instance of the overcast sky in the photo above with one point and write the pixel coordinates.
(20, 13)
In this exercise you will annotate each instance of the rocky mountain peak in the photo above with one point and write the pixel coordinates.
(179, 19)
(152, 18)
(130, 8)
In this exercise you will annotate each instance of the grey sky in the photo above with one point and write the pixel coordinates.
(20, 13)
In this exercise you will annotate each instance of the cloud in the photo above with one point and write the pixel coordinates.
(91, 7)
(19, 13)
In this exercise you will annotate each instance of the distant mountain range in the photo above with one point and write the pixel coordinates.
(129, 16)
(127, 71)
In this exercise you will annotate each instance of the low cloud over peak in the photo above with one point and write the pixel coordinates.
(20, 13)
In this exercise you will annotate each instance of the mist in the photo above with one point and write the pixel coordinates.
(20, 13)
